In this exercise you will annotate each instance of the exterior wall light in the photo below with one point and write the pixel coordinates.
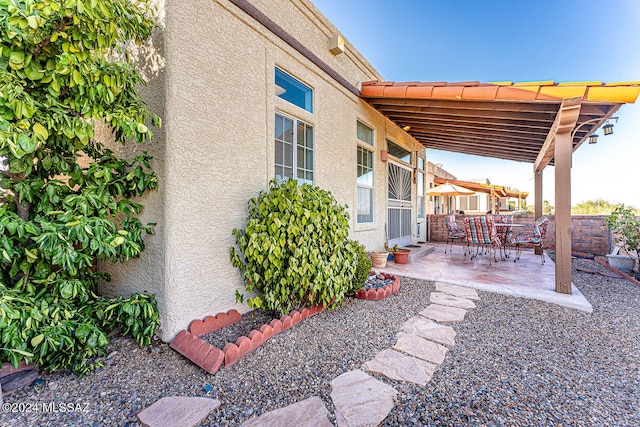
(336, 45)
(608, 129)
(593, 138)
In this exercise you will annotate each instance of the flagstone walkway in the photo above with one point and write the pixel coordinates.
(362, 400)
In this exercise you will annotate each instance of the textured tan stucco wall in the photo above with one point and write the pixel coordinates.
(217, 97)
(146, 273)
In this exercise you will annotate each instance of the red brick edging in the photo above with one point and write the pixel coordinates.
(210, 358)
(380, 293)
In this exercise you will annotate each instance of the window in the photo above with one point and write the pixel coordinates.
(365, 133)
(397, 151)
(365, 185)
(469, 203)
(430, 187)
(420, 178)
(365, 175)
(294, 91)
(294, 150)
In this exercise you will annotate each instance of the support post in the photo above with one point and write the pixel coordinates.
(537, 203)
(563, 150)
(537, 213)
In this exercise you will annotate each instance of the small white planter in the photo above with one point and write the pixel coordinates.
(623, 263)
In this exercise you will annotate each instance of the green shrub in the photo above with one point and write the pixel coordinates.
(58, 331)
(295, 249)
(362, 270)
(67, 201)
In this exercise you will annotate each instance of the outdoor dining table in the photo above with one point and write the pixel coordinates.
(503, 231)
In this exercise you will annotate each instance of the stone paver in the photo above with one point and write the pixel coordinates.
(360, 399)
(178, 411)
(421, 348)
(443, 313)
(450, 300)
(397, 366)
(306, 413)
(458, 291)
(427, 328)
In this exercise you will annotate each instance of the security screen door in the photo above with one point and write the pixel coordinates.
(399, 205)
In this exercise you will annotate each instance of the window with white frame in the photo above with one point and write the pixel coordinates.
(294, 91)
(420, 182)
(365, 174)
(294, 150)
(469, 203)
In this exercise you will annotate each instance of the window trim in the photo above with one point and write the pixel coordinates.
(424, 187)
(300, 82)
(398, 159)
(369, 148)
(294, 156)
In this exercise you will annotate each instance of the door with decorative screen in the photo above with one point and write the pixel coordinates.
(399, 205)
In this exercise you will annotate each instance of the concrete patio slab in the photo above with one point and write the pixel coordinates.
(527, 278)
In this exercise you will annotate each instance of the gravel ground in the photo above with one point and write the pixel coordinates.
(516, 362)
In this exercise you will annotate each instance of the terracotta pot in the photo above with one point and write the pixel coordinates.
(378, 259)
(401, 256)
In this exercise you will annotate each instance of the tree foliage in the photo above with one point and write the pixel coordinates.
(68, 199)
(295, 250)
(625, 225)
(595, 207)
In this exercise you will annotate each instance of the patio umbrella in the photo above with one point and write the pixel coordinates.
(450, 190)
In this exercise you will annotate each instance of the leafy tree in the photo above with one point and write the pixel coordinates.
(593, 207)
(63, 67)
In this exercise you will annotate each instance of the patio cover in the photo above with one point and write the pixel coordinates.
(504, 120)
(480, 187)
(536, 122)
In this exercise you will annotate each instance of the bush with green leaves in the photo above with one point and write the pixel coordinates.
(295, 249)
(625, 225)
(362, 270)
(67, 199)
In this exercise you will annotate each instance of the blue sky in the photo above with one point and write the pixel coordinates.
(561, 40)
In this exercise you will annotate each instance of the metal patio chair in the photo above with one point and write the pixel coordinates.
(453, 232)
(505, 234)
(535, 240)
(481, 232)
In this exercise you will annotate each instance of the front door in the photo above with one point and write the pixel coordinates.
(399, 206)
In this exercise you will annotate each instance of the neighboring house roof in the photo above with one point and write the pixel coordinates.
(505, 120)
(480, 187)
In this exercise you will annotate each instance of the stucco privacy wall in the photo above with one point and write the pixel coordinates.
(216, 94)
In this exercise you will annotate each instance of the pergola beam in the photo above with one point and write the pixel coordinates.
(565, 122)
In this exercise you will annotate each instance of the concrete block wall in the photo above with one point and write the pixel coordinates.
(589, 233)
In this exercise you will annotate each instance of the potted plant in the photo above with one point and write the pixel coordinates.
(625, 226)
(378, 258)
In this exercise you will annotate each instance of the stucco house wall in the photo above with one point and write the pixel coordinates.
(216, 94)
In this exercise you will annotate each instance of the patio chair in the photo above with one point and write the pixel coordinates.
(453, 232)
(535, 240)
(505, 234)
(481, 232)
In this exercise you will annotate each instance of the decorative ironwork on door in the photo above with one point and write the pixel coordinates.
(399, 205)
